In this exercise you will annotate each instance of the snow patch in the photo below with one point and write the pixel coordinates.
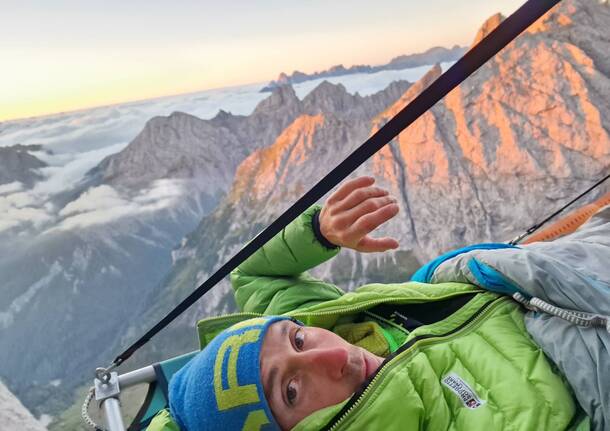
(46, 420)
(7, 317)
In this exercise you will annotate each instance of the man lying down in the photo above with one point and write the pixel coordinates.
(450, 351)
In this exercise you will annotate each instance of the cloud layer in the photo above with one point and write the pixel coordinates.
(104, 204)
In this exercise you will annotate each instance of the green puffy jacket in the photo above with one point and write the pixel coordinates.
(467, 364)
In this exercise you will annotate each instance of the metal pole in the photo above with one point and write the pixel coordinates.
(108, 389)
(136, 377)
(112, 412)
(107, 392)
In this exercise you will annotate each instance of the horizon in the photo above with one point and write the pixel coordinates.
(86, 66)
(196, 91)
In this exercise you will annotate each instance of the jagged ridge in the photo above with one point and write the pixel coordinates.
(433, 55)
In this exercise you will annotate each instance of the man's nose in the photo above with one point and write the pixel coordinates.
(331, 361)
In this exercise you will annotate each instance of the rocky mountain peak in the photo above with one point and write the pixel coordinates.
(180, 146)
(338, 68)
(488, 26)
(327, 97)
(226, 120)
(259, 173)
(177, 116)
(432, 55)
(423, 83)
(222, 114)
(411, 93)
(559, 16)
(283, 78)
(18, 165)
(327, 89)
(281, 98)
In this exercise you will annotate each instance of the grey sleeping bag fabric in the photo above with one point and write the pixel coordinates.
(572, 272)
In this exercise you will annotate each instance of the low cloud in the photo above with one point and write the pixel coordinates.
(25, 209)
(96, 199)
(104, 204)
(66, 170)
(11, 188)
(163, 193)
(17, 211)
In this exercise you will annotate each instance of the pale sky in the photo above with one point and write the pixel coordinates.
(64, 55)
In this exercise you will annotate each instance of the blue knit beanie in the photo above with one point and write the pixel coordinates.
(221, 388)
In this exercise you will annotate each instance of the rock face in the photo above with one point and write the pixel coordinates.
(437, 54)
(516, 140)
(487, 27)
(433, 55)
(207, 151)
(14, 416)
(18, 165)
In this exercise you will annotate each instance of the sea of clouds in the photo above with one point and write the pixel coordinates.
(75, 142)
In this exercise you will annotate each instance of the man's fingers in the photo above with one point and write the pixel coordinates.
(357, 196)
(347, 218)
(371, 221)
(347, 187)
(370, 245)
(353, 211)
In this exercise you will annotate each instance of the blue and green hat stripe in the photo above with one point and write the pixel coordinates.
(221, 387)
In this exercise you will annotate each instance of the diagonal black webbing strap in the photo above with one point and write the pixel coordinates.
(538, 225)
(510, 28)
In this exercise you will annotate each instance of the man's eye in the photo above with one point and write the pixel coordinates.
(291, 393)
(299, 339)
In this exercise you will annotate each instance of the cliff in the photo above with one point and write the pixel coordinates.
(14, 416)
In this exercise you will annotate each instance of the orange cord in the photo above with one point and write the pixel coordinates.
(569, 223)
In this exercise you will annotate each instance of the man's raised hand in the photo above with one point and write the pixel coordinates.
(356, 209)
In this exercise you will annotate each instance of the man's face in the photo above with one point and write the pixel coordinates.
(305, 369)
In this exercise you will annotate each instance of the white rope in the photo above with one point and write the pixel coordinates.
(579, 318)
(84, 412)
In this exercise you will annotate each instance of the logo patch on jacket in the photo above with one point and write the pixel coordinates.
(464, 392)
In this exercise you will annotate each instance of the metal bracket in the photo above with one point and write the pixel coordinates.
(108, 388)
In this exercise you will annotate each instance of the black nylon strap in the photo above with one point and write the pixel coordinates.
(537, 226)
(509, 29)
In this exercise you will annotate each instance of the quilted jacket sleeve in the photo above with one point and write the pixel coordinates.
(274, 279)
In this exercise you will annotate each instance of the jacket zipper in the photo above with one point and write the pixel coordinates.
(371, 303)
(356, 399)
(339, 310)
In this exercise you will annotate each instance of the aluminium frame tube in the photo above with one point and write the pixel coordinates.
(110, 404)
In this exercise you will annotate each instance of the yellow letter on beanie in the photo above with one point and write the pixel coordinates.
(234, 395)
(255, 421)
